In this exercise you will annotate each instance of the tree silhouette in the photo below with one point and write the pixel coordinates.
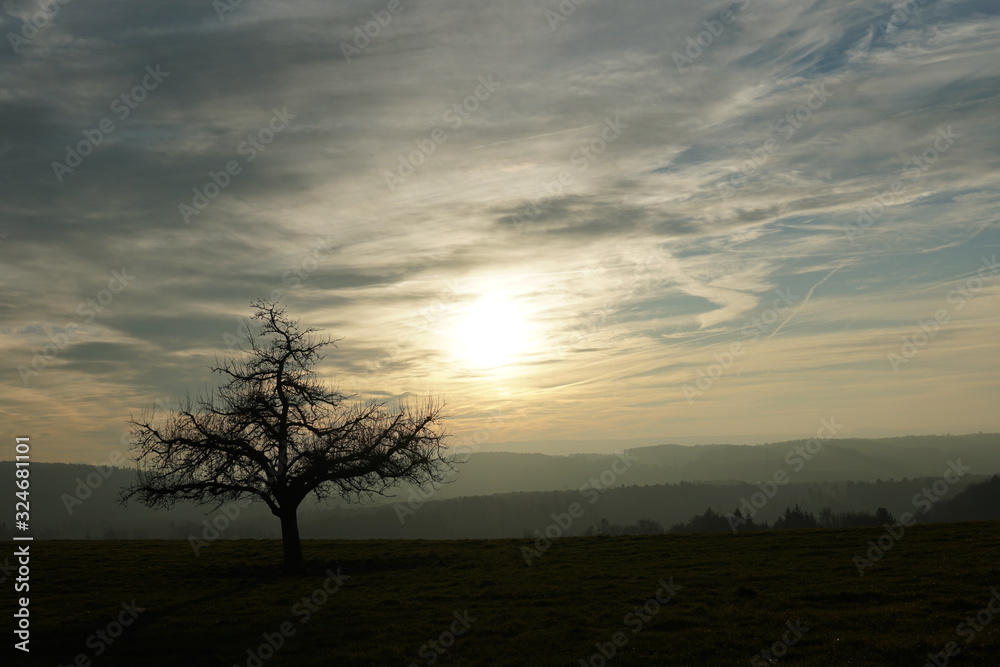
(794, 518)
(709, 522)
(648, 527)
(273, 433)
(883, 516)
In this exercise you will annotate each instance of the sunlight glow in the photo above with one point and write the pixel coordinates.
(493, 331)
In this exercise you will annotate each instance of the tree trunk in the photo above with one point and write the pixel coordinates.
(294, 563)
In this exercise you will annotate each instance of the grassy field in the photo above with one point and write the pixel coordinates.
(482, 605)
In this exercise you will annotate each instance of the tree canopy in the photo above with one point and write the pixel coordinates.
(273, 432)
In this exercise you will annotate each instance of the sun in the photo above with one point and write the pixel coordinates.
(495, 330)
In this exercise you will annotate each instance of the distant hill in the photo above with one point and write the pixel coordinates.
(976, 502)
(852, 459)
(72, 500)
(499, 494)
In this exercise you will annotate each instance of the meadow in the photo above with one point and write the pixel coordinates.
(477, 602)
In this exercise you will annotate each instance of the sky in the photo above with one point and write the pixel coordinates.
(605, 221)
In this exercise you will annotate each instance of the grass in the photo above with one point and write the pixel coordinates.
(736, 595)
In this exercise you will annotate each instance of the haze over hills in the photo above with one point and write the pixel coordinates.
(502, 494)
(841, 459)
(609, 446)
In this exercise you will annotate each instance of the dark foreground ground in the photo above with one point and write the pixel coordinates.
(738, 596)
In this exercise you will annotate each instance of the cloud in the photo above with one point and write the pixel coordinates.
(638, 251)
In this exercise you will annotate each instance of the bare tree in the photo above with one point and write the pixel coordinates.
(272, 432)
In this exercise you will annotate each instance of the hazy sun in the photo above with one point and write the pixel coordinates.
(493, 331)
